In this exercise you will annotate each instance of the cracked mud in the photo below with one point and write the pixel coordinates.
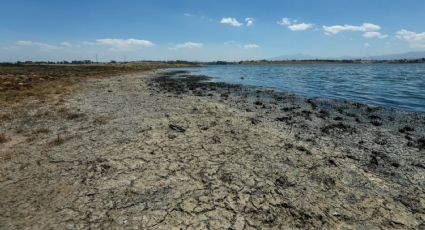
(170, 150)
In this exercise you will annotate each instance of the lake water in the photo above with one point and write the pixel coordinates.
(391, 85)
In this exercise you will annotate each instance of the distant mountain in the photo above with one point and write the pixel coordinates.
(408, 55)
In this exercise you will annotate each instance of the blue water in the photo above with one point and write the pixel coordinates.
(399, 86)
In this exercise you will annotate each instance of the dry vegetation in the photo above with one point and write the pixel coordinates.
(18, 82)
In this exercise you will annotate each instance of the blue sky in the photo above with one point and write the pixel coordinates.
(207, 30)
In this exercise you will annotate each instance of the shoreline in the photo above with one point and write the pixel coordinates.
(150, 151)
(383, 94)
(285, 107)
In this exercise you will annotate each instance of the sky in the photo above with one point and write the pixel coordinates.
(196, 30)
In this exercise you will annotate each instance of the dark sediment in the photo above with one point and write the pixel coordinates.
(386, 143)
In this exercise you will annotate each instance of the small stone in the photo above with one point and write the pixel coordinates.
(255, 121)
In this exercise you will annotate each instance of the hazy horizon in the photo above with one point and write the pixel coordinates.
(208, 30)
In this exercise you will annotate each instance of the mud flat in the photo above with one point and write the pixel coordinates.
(171, 150)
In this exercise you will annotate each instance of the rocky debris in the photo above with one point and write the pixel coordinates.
(421, 143)
(177, 128)
(284, 182)
(406, 129)
(312, 103)
(255, 121)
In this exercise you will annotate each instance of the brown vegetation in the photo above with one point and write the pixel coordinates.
(18, 82)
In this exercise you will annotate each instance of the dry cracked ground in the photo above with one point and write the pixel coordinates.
(122, 153)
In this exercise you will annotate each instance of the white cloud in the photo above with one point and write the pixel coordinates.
(294, 25)
(188, 45)
(87, 43)
(415, 40)
(251, 46)
(249, 21)
(300, 26)
(374, 34)
(241, 46)
(365, 27)
(41, 45)
(124, 44)
(25, 43)
(366, 45)
(44, 46)
(284, 22)
(231, 21)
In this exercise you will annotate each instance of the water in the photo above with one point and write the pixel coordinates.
(399, 86)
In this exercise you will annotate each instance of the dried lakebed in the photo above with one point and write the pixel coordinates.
(169, 149)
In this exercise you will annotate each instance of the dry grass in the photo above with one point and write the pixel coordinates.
(43, 82)
(38, 90)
